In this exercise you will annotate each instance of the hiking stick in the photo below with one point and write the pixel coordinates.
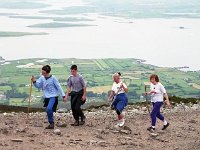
(29, 99)
(146, 102)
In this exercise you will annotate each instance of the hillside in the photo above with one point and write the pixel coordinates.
(15, 78)
(20, 133)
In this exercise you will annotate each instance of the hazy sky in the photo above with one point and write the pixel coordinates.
(160, 41)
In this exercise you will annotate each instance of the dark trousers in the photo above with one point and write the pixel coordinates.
(76, 102)
(156, 113)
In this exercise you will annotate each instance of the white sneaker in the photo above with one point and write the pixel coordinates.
(121, 122)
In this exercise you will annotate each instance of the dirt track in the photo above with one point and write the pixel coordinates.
(99, 132)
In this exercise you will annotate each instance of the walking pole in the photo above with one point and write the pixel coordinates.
(29, 99)
(145, 88)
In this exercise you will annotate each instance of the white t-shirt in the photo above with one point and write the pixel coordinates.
(159, 90)
(116, 87)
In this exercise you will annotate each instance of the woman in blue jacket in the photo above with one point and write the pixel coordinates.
(51, 89)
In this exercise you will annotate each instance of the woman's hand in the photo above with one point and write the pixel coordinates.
(152, 92)
(33, 79)
(124, 87)
(168, 103)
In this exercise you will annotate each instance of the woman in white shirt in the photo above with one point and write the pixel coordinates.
(157, 91)
(118, 98)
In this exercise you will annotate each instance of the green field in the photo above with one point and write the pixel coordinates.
(98, 74)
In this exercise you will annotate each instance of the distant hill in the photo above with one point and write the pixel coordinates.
(15, 78)
(1, 58)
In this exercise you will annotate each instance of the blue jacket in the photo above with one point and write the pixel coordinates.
(50, 87)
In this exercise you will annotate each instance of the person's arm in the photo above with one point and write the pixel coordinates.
(67, 94)
(84, 88)
(37, 83)
(84, 93)
(163, 90)
(167, 99)
(112, 93)
(58, 86)
(124, 86)
(68, 89)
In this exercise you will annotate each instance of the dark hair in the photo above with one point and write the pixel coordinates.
(46, 68)
(74, 67)
(155, 77)
(119, 73)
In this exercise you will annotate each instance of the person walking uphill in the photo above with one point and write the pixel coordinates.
(157, 91)
(76, 88)
(51, 89)
(119, 98)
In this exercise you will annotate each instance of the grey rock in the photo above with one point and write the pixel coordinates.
(195, 107)
(125, 131)
(21, 130)
(114, 131)
(92, 142)
(105, 108)
(153, 134)
(61, 124)
(144, 109)
(57, 132)
(123, 142)
(62, 110)
(99, 136)
(127, 128)
(101, 143)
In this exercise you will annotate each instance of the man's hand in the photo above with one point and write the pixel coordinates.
(83, 97)
(65, 98)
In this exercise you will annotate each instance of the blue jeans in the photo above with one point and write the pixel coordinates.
(49, 109)
(156, 113)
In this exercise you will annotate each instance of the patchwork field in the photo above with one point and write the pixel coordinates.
(15, 80)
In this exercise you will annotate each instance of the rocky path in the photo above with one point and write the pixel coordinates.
(17, 132)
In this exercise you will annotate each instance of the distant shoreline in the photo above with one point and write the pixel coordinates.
(142, 61)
